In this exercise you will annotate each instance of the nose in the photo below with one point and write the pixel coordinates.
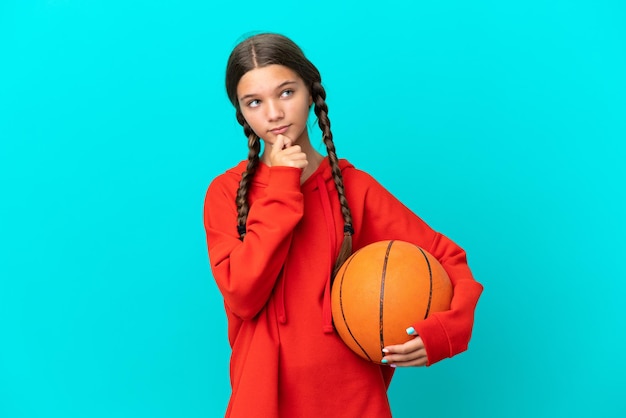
(274, 111)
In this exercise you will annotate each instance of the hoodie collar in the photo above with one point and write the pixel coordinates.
(261, 177)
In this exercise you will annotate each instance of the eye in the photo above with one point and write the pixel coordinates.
(253, 103)
(286, 93)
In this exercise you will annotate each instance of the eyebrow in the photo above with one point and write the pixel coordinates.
(280, 86)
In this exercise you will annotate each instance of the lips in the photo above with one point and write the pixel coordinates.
(279, 130)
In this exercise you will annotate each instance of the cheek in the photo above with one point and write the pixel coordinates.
(308, 112)
(257, 127)
(251, 120)
(303, 110)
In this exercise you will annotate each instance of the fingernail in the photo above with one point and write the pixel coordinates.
(392, 365)
(410, 330)
(384, 361)
(385, 350)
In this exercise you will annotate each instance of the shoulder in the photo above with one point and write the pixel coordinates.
(354, 177)
(227, 182)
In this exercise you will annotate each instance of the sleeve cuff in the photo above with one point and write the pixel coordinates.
(285, 178)
(435, 338)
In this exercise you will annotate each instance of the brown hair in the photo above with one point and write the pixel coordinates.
(267, 49)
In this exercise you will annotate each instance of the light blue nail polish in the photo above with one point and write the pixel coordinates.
(410, 330)
(384, 361)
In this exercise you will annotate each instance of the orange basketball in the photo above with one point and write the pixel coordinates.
(381, 290)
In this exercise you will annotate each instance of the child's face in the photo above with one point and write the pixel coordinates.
(274, 101)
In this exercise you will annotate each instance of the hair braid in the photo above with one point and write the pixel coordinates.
(254, 147)
(321, 111)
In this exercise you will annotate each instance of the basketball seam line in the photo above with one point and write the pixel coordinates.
(382, 296)
(345, 321)
(430, 278)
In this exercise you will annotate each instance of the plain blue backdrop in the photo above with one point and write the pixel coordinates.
(502, 124)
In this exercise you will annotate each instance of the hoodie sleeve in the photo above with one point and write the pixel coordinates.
(381, 217)
(246, 271)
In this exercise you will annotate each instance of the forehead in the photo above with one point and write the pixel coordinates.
(265, 79)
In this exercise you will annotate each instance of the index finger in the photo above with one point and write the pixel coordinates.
(279, 144)
(284, 140)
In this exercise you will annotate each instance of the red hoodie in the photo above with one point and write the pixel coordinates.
(287, 361)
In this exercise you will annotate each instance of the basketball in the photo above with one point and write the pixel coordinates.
(381, 290)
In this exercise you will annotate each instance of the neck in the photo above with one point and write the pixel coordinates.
(315, 159)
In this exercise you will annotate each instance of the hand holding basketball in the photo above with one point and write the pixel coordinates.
(411, 353)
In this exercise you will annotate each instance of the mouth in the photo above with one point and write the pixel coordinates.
(279, 130)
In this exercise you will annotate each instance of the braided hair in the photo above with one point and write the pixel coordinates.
(260, 51)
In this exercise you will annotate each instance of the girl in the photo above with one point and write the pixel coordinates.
(278, 227)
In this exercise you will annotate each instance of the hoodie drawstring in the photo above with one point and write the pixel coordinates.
(281, 311)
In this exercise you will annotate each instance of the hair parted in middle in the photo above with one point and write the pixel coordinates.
(266, 49)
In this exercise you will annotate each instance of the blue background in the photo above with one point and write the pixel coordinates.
(502, 124)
